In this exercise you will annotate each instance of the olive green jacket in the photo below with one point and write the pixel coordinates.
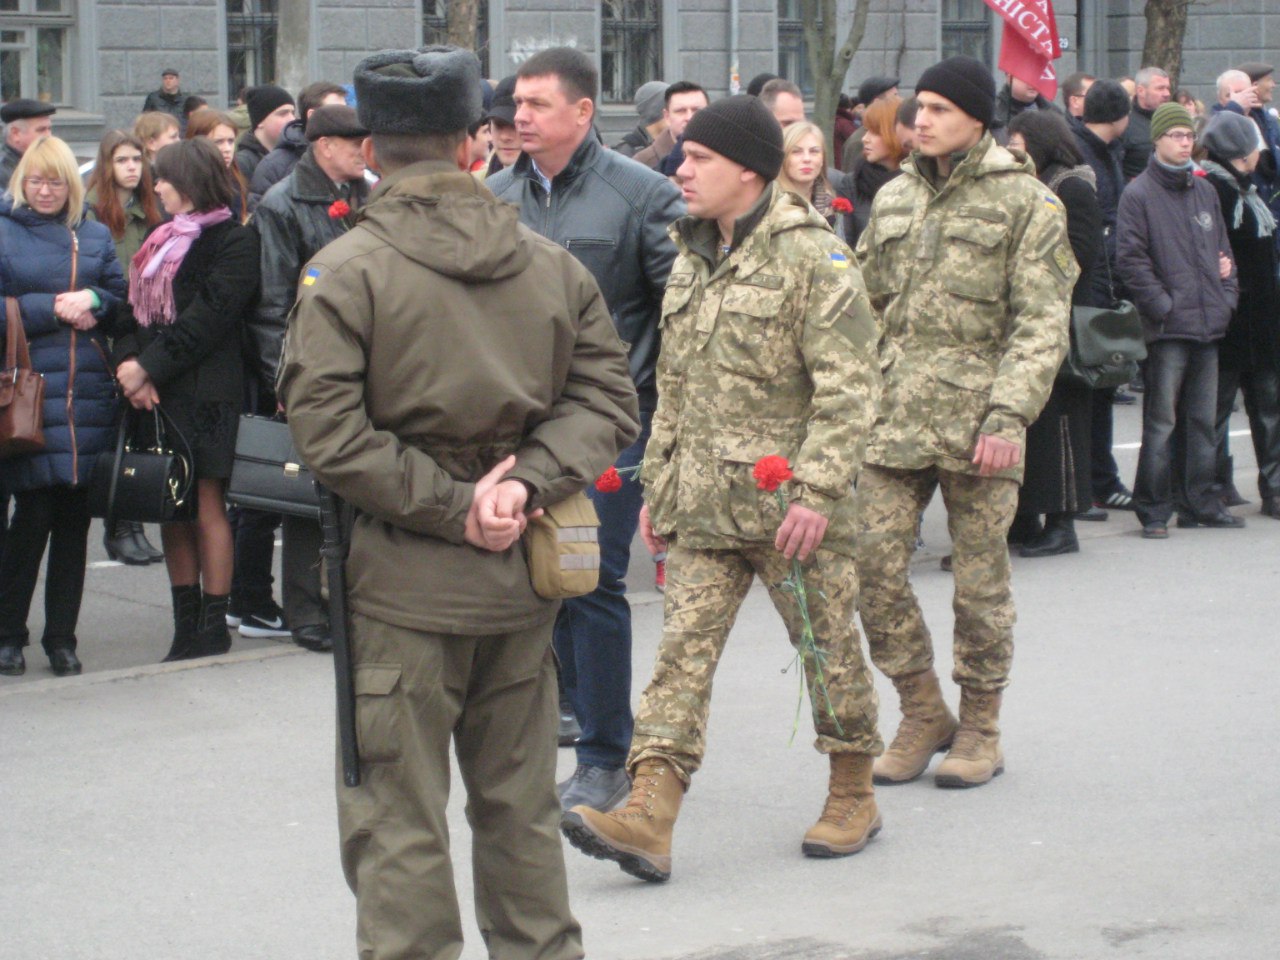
(135, 231)
(429, 342)
(972, 284)
(769, 351)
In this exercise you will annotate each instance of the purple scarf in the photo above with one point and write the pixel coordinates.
(153, 267)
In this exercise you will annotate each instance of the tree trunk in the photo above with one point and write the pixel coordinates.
(463, 17)
(1166, 28)
(829, 64)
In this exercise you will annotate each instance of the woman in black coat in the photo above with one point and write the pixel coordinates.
(62, 271)
(1057, 484)
(190, 288)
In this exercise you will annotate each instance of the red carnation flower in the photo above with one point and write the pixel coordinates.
(339, 209)
(841, 205)
(1199, 172)
(609, 481)
(771, 472)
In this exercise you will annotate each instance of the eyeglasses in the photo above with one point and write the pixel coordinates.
(36, 184)
(1180, 136)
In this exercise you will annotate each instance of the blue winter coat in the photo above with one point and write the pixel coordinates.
(80, 402)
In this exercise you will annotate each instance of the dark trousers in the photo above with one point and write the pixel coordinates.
(255, 544)
(4, 518)
(1104, 472)
(300, 574)
(1261, 388)
(593, 633)
(1181, 378)
(58, 517)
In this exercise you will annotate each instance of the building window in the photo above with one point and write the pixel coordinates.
(435, 27)
(966, 29)
(630, 47)
(34, 51)
(251, 43)
(793, 52)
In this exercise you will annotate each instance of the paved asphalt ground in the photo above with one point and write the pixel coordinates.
(187, 810)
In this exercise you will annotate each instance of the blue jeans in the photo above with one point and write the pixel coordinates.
(1182, 392)
(593, 633)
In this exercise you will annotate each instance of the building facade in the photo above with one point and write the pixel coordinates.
(97, 59)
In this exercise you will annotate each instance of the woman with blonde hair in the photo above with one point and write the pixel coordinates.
(880, 162)
(156, 130)
(220, 130)
(804, 167)
(123, 200)
(61, 271)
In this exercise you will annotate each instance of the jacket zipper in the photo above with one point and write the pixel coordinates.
(71, 376)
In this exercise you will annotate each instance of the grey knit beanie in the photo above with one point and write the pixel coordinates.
(1230, 136)
(650, 101)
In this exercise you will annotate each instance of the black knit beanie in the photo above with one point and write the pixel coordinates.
(742, 129)
(966, 83)
(1106, 102)
(263, 101)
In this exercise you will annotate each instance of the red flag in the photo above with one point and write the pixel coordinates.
(1030, 43)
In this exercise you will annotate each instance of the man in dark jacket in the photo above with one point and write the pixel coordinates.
(650, 98)
(293, 142)
(25, 122)
(1015, 97)
(1151, 88)
(312, 206)
(612, 214)
(168, 99)
(270, 110)
(449, 373)
(1173, 254)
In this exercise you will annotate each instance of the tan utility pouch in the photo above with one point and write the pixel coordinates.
(563, 549)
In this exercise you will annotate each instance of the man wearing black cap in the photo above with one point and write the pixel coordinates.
(25, 122)
(449, 373)
(313, 205)
(168, 99)
(967, 263)
(270, 110)
(612, 214)
(768, 350)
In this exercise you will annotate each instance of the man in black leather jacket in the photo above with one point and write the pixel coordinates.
(612, 214)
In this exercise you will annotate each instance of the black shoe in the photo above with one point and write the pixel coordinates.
(12, 662)
(64, 662)
(1123, 399)
(1121, 498)
(1155, 531)
(594, 787)
(145, 545)
(213, 638)
(1025, 528)
(267, 622)
(1059, 537)
(1220, 521)
(314, 638)
(121, 545)
(1093, 515)
(1271, 507)
(186, 623)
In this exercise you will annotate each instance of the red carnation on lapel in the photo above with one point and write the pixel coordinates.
(339, 209)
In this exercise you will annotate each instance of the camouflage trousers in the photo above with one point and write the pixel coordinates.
(705, 588)
(979, 512)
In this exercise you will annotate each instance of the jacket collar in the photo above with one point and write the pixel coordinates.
(312, 185)
(984, 158)
(427, 178)
(1170, 179)
(583, 159)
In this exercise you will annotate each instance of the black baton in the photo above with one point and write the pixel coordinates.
(334, 552)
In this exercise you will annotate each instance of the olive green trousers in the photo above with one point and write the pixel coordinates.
(495, 698)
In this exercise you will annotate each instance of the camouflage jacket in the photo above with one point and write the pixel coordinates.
(770, 350)
(972, 285)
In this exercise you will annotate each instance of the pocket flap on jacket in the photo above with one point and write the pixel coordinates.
(968, 374)
(980, 232)
(746, 447)
(892, 227)
(753, 300)
(376, 679)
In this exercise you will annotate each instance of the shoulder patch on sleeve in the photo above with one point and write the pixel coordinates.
(839, 261)
(311, 276)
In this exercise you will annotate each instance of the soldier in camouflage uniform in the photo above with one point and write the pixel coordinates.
(967, 265)
(768, 348)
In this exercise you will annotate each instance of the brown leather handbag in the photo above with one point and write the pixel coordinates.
(21, 391)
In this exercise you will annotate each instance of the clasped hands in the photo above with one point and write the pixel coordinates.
(496, 517)
(75, 308)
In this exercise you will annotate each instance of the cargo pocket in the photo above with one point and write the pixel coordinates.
(970, 250)
(754, 513)
(379, 712)
(964, 394)
(752, 340)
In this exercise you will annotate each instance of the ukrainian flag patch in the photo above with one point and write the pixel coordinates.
(1052, 201)
(312, 274)
(840, 261)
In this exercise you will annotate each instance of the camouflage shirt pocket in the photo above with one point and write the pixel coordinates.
(964, 394)
(891, 253)
(973, 261)
(752, 513)
(752, 338)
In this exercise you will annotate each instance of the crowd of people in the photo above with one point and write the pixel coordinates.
(889, 305)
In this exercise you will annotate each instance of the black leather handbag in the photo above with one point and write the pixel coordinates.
(1106, 345)
(267, 474)
(150, 478)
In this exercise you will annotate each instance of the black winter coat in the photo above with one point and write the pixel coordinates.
(1253, 336)
(1137, 142)
(1170, 235)
(1106, 162)
(199, 355)
(277, 164)
(293, 225)
(79, 392)
(249, 153)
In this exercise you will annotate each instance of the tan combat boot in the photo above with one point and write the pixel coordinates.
(850, 818)
(637, 837)
(975, 755)
(927, 726)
